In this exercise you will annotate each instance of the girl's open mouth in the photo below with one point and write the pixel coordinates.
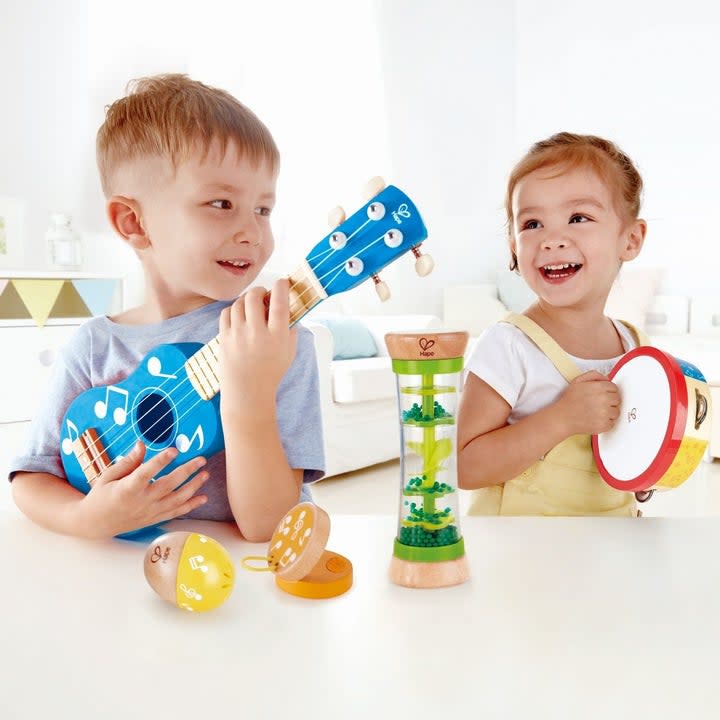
(560, 272)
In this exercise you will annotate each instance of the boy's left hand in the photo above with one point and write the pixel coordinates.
(257, 346)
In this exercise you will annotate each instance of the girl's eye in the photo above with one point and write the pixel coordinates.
(264, 211)
(221, 204)
(579, 219)
(531, 225)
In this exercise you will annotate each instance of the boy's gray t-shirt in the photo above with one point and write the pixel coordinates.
(103, 353)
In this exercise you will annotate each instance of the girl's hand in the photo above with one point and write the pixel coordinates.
(256, 349)
(590, 405)
(123, 498)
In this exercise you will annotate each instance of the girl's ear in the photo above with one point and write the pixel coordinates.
(634, 240)
(513, 265)
(125, 218)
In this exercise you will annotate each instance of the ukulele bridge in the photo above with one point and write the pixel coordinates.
(91, 454)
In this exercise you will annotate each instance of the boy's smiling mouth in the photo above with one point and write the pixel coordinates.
(558, 272)
(237, 266)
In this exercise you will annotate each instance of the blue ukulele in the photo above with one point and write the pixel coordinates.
(172, 398)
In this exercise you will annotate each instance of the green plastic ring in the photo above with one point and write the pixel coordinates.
(427, 367)
(427, 554)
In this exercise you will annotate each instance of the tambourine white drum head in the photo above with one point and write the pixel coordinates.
(656, 439)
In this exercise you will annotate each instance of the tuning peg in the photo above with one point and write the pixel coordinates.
(423, 263)
(373, 187)
(336, 217)
(381, 288)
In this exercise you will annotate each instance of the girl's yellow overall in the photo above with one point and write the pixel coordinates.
(565, 481)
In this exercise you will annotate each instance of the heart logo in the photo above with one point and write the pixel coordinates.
(426, 344)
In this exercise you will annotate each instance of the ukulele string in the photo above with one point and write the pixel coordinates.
(179, 418)
(332, 249)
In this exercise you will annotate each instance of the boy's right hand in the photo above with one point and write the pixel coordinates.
(590, 405)
(125, 497)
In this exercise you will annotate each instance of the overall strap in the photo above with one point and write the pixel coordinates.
(557, 356)
(640, 337)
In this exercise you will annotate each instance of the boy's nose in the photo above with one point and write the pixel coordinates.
(247, 235)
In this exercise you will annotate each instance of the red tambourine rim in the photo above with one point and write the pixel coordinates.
(675, 430)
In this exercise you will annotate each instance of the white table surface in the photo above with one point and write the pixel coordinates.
(562, 618)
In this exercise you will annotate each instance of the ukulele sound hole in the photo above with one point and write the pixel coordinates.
(155, 418)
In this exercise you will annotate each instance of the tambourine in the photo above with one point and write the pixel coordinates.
(664, 424)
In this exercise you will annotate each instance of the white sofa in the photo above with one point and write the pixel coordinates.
(358, 397)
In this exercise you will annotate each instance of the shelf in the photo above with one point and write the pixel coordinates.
(56, 275)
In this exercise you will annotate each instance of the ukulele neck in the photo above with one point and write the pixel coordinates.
(306, 292)
(203, 368)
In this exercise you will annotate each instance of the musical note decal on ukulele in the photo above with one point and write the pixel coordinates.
(120, 413)
(183, 442)
(72, 435)
(172, 398)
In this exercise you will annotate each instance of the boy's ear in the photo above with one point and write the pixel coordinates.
(125, 218)
(634, 240)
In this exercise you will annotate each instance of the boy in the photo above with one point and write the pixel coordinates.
(189, 178)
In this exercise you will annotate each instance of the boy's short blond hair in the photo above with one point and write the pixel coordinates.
(172, 116)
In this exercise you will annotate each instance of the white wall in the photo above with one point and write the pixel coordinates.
(646, 75)
(311, 71)
(43, 124)
(449, 72)
(440, 97)
(472, 85)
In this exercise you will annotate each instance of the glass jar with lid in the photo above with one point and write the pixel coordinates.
(64, 244)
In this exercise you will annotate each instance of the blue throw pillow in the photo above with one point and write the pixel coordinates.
(351, 339)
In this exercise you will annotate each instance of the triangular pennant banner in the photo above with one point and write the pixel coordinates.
(69, 304)
(96, 294)
(39, 296)
(11, 305)
(3, 283)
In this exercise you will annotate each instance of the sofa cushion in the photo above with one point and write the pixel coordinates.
(381, 325)
(471, 307)
(351, 338)
(513, 291)
(362, 379)
(632, 294)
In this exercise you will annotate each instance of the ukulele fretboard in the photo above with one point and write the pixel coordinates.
(306, 292)
(203, 368)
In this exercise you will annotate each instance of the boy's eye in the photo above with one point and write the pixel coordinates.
(221, 204)
(577, 218)
(264, 211)
(531, 225)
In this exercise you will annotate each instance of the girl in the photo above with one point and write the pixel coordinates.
(536, 387)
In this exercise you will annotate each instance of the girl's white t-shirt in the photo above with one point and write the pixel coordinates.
(507, 360)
